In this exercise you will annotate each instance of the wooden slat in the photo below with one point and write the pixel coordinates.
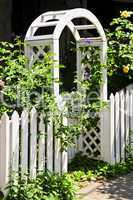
(33, 142)
(127, 119)
(131, 118)
(122, 126)
(4, 151)
(85, 27)
(57, 156)
(112, 136)
(41, 143)
(14, 143)
(117, 127)
(50, 146)
(45, 24)
(64, 155)
(24, 141)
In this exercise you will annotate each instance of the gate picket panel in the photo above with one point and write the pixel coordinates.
(24, 141)
(33, 142)
(41, 144)
(50, 146)
(122, 127)
(117, 127)
(15, 142)
(4, 151)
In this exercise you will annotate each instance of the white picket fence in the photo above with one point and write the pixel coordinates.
(28, 145)
(111, 138)
(117, 133)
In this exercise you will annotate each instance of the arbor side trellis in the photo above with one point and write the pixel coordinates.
(36, 44)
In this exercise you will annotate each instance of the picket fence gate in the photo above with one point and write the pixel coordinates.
(117, 130)
(114, 138)
(28, 145)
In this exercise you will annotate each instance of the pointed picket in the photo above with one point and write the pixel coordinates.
(33, 142)
(50, 146)
(122, 125)
(41, 144)
(24, 141)
(127, 118)
(15, 142)
(112, 136)
(117, 127)
(64, 155)
(4, 151)
(131, 118)
(57, 155)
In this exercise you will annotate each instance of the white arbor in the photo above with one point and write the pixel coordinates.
(37, 44)
(58, 20)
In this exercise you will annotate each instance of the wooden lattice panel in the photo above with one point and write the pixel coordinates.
(38, 53)
(91, 143)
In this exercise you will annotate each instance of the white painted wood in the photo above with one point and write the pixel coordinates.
(103, 57)
(24, 141)
(40, 37)
(122, 128)
(57, 156)
(85, 27)
(117, 127)
(4, 151)
(127, 115)
(65, 19)
(78, 13)
(105, 134)
(131, 118)
(56, 69)
(64, 161)
(33, 142)
(15, 121)
(41, 143)
(112, 134)
(50, 146)
(46, 24)
(64, 153)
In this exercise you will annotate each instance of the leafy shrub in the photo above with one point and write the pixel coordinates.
(120, 51)
(46, 186)
(82, 168)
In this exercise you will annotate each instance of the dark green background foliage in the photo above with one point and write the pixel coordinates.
(120, 52)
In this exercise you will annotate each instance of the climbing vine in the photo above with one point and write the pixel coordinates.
(84, 104)
(22, 87)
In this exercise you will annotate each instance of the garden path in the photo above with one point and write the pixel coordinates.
(120, 188)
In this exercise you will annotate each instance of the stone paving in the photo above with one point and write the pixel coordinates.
(120, 188)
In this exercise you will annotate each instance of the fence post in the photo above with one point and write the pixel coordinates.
(4, 151)
(107, 133)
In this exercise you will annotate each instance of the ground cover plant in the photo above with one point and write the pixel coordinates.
(83, 168)
(46, 186)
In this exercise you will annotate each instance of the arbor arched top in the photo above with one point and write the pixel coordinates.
(60, 19)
